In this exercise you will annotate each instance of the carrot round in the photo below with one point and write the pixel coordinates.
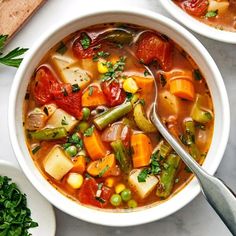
(142, 150)
(182, 88)
(80, 165)
(102, 167)
(93, 96)
(94, 146)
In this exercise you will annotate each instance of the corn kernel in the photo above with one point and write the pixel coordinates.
(75, 180)
(110, 182)
(102, 68)
(130, 85)
(119, 188)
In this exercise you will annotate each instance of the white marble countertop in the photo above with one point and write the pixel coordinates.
(197, 218)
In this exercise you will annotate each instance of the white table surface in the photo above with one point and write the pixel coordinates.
(197, 218)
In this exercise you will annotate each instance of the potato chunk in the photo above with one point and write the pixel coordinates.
(143, 188)
(220, 6)
(168, 103)
(69, 72)
(56, 163)
(60, 118)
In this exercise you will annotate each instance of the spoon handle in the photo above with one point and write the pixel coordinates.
(219, 196)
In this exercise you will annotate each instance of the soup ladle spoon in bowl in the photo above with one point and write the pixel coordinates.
(219, 196)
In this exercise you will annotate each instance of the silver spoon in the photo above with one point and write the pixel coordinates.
(219, 196)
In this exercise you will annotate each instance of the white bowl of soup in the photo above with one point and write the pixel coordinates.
(215, 19)
(78, 116)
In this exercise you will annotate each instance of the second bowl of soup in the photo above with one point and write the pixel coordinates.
(84, 105)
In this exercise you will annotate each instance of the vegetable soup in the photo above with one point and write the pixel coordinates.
(220, 14)
(86, 116)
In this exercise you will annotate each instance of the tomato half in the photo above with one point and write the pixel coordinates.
(87, 194)
(196, 7)
(152, 47)
(114, 93)
(41, 88)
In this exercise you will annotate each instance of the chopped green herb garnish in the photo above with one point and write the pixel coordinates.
(210, 14)
(75, 88)
(114, 71)
(187, 169)
(90, 91)
(162, 80)
(34, 150)
(146, 73)
(45, 110)
(62, 48)
(64, 121)
(129, 96)
(143, 175)
(15, 216)
(177, 180)
(85, 41)
(197, 74)
(103, 171)
(142, 102)
(12, 58)
(101, 200)
(88, 132)
(200, 126)
(101, 54)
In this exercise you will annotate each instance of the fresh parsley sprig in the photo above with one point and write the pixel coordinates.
(13, 57)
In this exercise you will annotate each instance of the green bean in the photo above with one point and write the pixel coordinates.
(86, 113)
(122, 155)
(167, 177)
(83, 125)
(112, 115)
(189, 130)
(49, 134)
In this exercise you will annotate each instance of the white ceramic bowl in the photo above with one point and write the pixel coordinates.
(144, 18)
(197, 26)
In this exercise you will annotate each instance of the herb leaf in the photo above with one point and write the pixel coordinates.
(197, 74)
(62, 48)
(210, 14)
(88, 132)
(85, 41)
(143, 175)
(103, 171)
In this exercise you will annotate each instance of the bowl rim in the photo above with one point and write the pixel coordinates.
(196, 25)
(89, 214)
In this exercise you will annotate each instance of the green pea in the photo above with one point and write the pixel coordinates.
(86, 113)
(71, 150)
(83, 125)
(115, 200)
(126, 195)
(132, 203)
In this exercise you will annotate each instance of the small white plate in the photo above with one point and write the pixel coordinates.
(41, 211)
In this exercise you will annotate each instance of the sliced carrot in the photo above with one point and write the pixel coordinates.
(146, 86)
(80, 165)
(93, 96)
(182, 88)
(142, 150)
(94, 146)
(102, 167)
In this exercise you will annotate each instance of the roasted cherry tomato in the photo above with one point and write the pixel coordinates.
(114, 93)
(67, 100)
(87, 194)
(82, 46)
(153, 47)
(42, 85)
(196, 7)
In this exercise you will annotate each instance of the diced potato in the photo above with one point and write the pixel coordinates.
(143, 188)
(90, 67)
(70, 73)
(169, 102)
(56, 163)
(60, 118)
(49, 109)
(221, 6)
